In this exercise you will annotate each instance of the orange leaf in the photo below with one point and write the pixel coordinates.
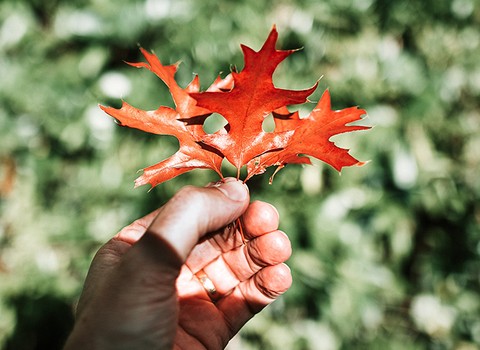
(245, 106)
(167, 121)
(312, 137)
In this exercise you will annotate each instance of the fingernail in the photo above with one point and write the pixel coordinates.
(235, 190)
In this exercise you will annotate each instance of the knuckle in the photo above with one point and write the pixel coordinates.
(189, 194)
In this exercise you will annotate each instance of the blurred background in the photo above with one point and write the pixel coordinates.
(385, 256)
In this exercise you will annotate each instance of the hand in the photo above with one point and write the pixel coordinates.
(181, 277)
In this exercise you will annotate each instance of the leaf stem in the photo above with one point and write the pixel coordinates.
(239, 224)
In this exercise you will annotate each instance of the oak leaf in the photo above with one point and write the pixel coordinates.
(311, 137)
(245, 106)
(192, 153)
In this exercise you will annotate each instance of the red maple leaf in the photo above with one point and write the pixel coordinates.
(244, 99)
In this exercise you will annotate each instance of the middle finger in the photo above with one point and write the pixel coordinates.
(239, 264)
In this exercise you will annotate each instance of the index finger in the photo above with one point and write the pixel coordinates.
(259, 218)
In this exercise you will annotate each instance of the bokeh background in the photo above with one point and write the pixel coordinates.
(385, 256)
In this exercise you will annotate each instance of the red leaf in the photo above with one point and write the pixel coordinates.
(312, 137)
(167, 121)
(245, 106)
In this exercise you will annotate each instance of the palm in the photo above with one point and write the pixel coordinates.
(247, 278)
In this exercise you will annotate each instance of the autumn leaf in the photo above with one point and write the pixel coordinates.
(312, 137)
(245, 107)
(192, 153)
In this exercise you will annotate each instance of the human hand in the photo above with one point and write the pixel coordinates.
(181, 277)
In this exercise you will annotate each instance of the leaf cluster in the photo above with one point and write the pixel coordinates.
(244, 99)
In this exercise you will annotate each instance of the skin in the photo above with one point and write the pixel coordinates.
(142, 292)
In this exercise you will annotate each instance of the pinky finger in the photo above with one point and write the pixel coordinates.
(252, 295)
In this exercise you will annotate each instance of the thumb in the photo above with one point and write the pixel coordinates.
(194, 212)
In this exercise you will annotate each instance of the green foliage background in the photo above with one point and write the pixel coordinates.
(385, 256)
